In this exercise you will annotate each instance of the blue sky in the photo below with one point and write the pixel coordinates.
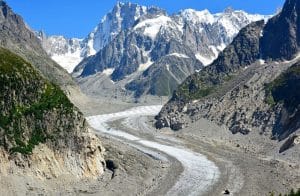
(76, 18)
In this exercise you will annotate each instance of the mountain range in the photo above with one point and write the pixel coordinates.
(233, 78)
(136, 48)
(249, 87)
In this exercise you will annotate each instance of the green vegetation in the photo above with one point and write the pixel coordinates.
(197, 94)
(26, 101)
(202, 85)
(291, 193)
(285, 89)
(163, 85)
(53, 97)
(269, 99)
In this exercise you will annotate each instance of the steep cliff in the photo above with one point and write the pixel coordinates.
(284, 91)
(281, 36)
(17, 36)
(41, 132)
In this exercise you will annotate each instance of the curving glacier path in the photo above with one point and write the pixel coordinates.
(199, 173)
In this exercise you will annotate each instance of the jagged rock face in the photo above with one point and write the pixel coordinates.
(154, 36)
(14, 23)
(233, 91)
(16, 36)
(62, 50)
(285, 89)
(206, 34)
(70, 52)
(163, 77)
(41, 132)
(112, 56)
(281, 38)
(240, 104)
(123, 16)
(242, 52)
(215, 32)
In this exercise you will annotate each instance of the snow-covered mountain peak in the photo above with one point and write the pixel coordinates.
(233, 20)
(229, 10)
(122, 16)
(205, 33)
(152, 26)
(192, 15)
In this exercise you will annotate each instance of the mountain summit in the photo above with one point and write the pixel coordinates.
(281, 38)
(221, 27)
(145, 47)
(69, 52)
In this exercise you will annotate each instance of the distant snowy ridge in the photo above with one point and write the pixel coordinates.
(70, 52)
(215, 31)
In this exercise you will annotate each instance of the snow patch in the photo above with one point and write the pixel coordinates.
(152, 26)
(145, 66)
(108, 71)
(68, 61)
(168, 67)
(221, 47)
(214, 50)
(90, 45)
(204, 60)
(179, 55)
(261, 33)
(261, 61)
(203, 16)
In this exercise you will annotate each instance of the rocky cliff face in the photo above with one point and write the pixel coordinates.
(233, 90)
(17, 36)
(70, 52)
(64, 51)
(279, 42)
(42, 134)
(145, 48)
(284, 91)
(242, 52)
(163, 77)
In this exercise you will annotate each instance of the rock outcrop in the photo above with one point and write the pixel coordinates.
(42, 133)
(243, 91)
(281, 36)
(18, 37)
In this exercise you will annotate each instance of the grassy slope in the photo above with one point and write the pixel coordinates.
(285, 88)
(25, 102)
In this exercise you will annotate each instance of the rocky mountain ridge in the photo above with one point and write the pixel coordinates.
(69, 52)
(233, 89)
(193, 37)
(18, 37)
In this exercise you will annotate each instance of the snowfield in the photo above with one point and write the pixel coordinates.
(199, 173)
(153, 25)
